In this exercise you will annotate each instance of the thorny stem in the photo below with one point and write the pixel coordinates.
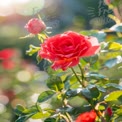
(76, 76)
(82, 84)
(67, 120)
(68, 116)
(82, 75)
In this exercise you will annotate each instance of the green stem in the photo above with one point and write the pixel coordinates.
(76, 76)
(38, 108)
(82, 75)
(69, 118)
(63, 116)
(97, 112)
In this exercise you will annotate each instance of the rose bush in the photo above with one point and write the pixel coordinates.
(65, 50)
(89, 92)
(35, 26)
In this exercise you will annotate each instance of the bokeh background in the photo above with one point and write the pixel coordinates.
(22, 83)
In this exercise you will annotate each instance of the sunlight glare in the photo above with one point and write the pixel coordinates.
(5, 3)
(21, 1)
(22, 7)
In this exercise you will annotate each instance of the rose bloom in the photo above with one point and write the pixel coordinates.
(6, 54)
(87, 117)
(35, 26)
(65, 50)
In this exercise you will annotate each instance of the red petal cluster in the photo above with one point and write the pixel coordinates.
(65, 50)
(87, 117)
(5, 56)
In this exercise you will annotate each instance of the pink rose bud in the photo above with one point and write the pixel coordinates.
(35, 26)
(107, 2)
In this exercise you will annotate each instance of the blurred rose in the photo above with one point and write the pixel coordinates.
(35, 26)
(107, 1)
(64, 50)
(8, 64)
(87, 117)
(7, 54)
(9, 93)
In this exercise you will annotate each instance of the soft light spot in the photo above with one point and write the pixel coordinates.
(3, 99)
(2, 108)
(34, 97)
(23, 76)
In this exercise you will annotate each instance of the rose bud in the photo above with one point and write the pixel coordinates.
(35, 26)
(109, 111)
(107, 1)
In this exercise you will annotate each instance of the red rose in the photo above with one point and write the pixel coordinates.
(87, 117)
(64, 50)
(35, 26)
(7, 54)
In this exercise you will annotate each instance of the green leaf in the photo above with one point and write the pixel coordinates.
(86, 93)
(23, 118)
(100, 35)
(119, 111)
(32, 109)
(114, 73)
(109, 54)
(95, 75)
(117, 28)
(50, 120)
(55, 83)
(32, 49)
(120, 98)
(112, 62)
(114, 46)
(67, 81)
(19, 109)
(101, 107)
(40, 115)
(113, 96)
(45, 96)
(118, 119)
(114, 85)
(92, 59)
(94, 92)
(101, 89)
(71, 93)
